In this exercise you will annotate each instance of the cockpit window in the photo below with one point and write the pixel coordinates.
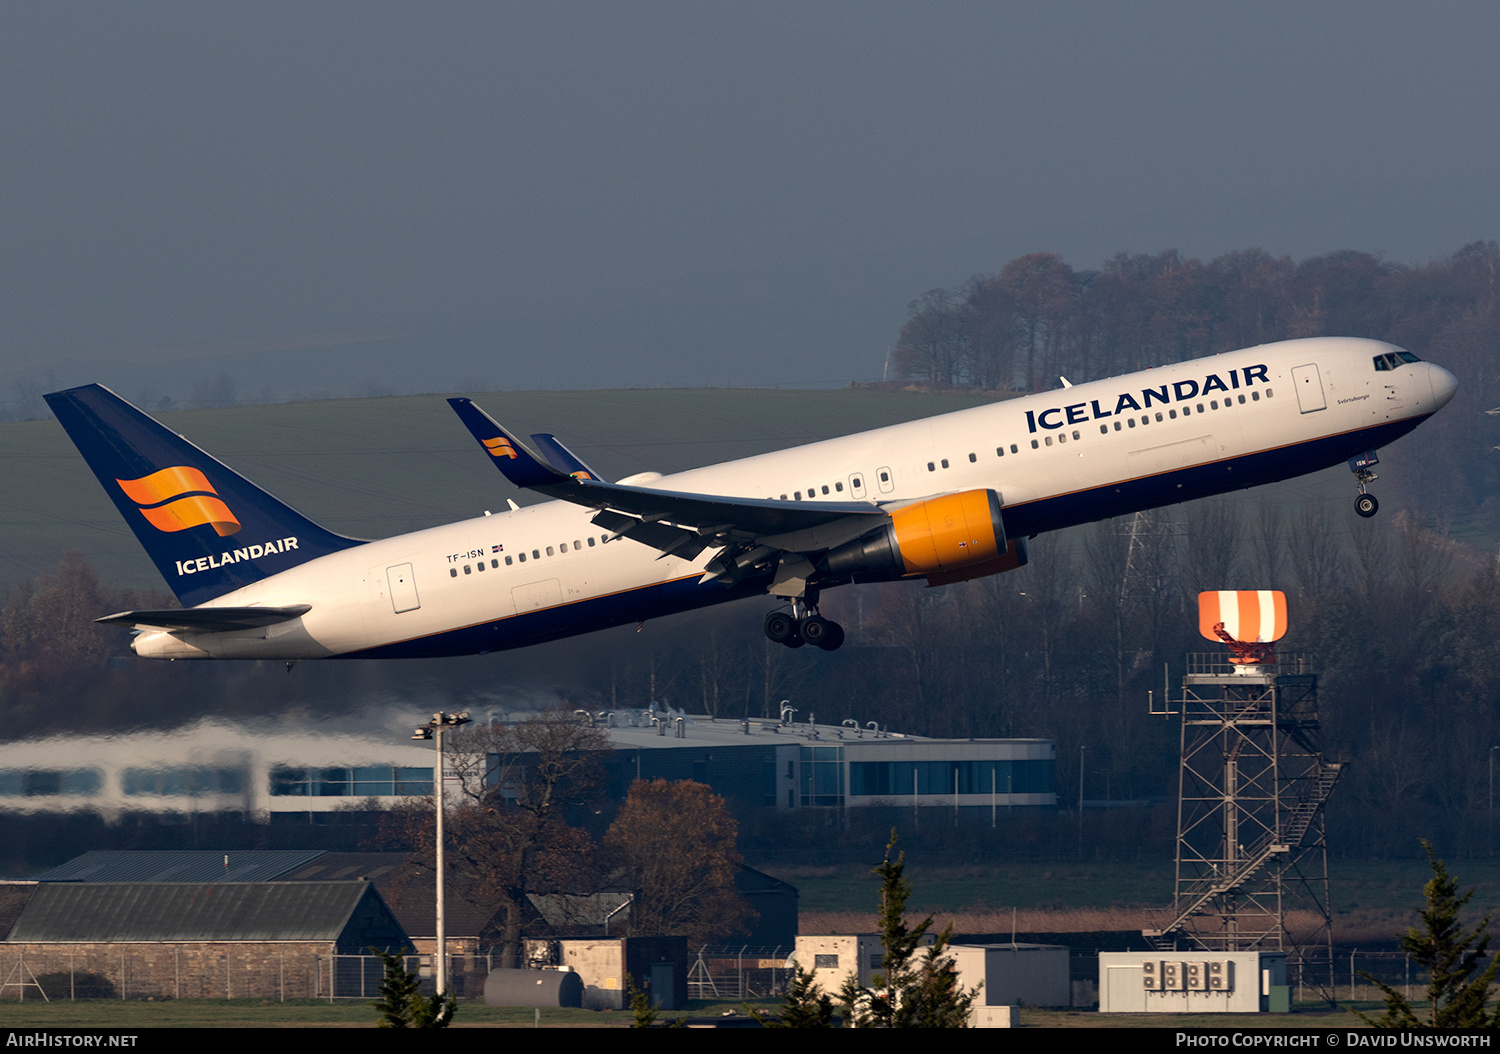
(1390, 360)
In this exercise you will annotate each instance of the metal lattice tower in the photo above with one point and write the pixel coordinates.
(1252, 859)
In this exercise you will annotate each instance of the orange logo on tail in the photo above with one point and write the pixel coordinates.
(499, 447)
(168, 505)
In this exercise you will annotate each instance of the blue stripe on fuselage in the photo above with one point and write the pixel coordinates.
(567, 620)
(1198, 481)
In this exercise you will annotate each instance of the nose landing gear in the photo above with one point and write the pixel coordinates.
(1364, 504)
(802, 625)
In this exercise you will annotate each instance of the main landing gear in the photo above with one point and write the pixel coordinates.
(1365, 504)
(803, 625)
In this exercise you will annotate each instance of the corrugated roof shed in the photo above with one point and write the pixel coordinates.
(257, 865)
(350, 914)
(405, 884)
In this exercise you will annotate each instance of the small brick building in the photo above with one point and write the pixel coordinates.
(164, 940)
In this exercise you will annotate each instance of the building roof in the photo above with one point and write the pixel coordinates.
(674, 729)
(748, 880)
(259, 865)
(197, 911)
(406, 885)
(13, 897)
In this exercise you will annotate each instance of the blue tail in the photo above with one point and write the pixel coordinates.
(208, 529)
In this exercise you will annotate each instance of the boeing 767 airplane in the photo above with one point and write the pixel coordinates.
(943, 499)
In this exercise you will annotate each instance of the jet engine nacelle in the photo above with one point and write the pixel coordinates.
(948, 539)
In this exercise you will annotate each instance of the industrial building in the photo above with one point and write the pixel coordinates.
(233, 940)
(790, 764)
(264, 772)
(275, 772)
(1197, 981)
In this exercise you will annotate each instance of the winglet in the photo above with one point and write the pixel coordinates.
(561, 458)
(512, 457)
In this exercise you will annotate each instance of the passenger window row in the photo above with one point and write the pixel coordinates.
(816, 489)
(536, 554)
(1187, 411)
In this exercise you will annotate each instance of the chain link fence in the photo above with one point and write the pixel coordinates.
(226, 971)
(739, 972)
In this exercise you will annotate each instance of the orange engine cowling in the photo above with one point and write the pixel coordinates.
(948, 539)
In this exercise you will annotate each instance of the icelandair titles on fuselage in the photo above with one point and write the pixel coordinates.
(1174, 391)
(234, 556)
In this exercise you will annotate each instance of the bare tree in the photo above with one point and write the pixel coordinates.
(931, 344)
(1315, 551)
(1211, 550)
(507, 835)
(1268, 540)
(676, 842)
(1108, 571)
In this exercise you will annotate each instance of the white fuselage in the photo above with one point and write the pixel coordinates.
(1055, 459)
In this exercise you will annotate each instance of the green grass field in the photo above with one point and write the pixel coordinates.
(1373, 900)
(1373, 885)
(305, 1013)
(205, 1013)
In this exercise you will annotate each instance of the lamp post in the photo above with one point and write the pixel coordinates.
(433, 730)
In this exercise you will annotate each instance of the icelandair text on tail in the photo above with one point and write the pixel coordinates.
(234, 556)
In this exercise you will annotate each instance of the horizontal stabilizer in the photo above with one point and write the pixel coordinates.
(208, 620)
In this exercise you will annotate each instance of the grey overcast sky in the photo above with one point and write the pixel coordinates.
(343, 197)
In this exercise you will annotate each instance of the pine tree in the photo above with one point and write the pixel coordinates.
(401, 1004)
(1455, 997)
(643, 1011)
(805, 1006)
(913, 990)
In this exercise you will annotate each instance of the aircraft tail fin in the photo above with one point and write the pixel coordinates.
(208, 529)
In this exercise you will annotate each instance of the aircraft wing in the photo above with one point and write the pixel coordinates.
(208, 619)
(643, 513)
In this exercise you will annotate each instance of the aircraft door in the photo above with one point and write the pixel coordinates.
(886, 480)
(1309, 385)
(403, 587)
(857, 485)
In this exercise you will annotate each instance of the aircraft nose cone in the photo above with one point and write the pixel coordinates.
(1444, 384)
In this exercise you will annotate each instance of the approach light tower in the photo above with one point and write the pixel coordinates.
(1251, 848)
